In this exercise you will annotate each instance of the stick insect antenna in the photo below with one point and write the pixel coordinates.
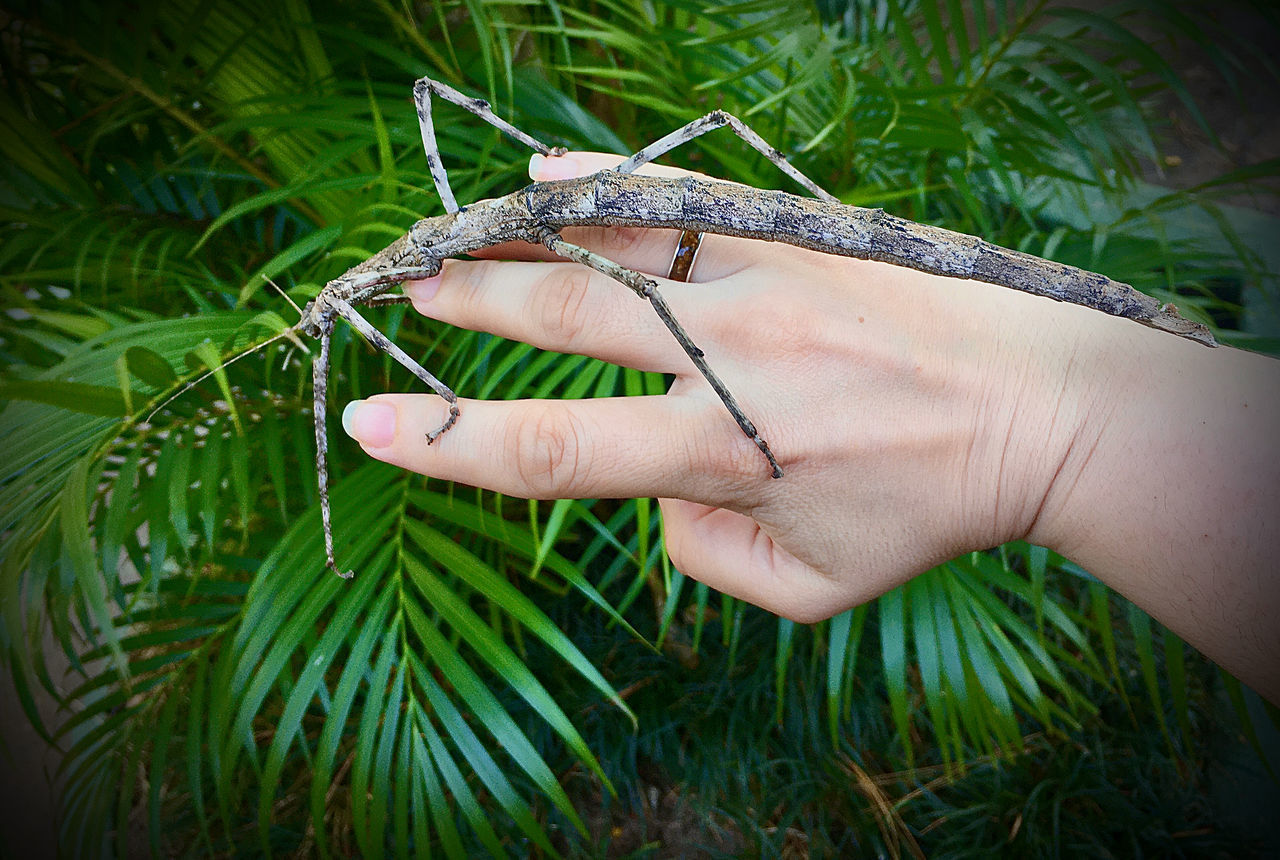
(290, 333)
(286, 297)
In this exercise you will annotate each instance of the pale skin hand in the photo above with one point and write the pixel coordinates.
(916, 417)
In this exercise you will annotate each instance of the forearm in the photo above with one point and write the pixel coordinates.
(1170, 490)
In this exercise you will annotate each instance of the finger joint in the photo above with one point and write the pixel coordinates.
(561, 306)
(545, 444)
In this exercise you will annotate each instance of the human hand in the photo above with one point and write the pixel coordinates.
(898, 404)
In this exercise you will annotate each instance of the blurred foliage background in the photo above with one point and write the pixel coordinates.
(517, 678)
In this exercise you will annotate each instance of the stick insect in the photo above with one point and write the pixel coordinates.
(620, 197)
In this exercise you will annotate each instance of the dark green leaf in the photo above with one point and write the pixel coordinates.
(150, 367)
(73, 396)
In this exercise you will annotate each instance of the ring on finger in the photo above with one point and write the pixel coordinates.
(685, 254)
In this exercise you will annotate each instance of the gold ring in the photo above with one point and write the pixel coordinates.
(685, 254)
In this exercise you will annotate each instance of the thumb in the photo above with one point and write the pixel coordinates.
(731, 553)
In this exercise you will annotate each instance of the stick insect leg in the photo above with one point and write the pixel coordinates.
(319, 390)
(362, 287)
(711, 121)
(423, 89)
(382, 342)
(647, 288)
(318, 321)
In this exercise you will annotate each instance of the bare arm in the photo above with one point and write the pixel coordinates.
(1170, 492)
(917, 417)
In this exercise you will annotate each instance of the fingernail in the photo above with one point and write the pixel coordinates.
(370, 423)
(424, 290)
(543, 168)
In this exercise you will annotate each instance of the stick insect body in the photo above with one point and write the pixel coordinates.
(618, 197)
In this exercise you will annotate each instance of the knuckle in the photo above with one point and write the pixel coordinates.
(561, 306)
(742, 470)
(724, 454)
(790, 323)
(546, 447)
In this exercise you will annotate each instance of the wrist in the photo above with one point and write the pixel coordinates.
(1143, 440)
(1171, 492)
(1038, 414)
(1175, 453)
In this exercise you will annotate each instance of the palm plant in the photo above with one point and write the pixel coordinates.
(165, 166)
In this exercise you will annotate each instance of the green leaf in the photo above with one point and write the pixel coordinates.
(1175, 669)
(509, 667)
(73, 396)
(484, 766)
(150, 367)
(518, 540)
(364, 800)
(207, 355)
(122, 382)
(287, 259)
(458, 789)
(1103, 628)
(893, 648)
(77, 549)
(356, 667)
(384, 769)
(492, 715)
(920, 597)
(289, 724)
(1140, 624)
(442, 812)
(837, 646)
(79, 326)
(781, 657)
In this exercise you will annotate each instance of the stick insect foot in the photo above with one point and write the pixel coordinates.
(454, 412)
